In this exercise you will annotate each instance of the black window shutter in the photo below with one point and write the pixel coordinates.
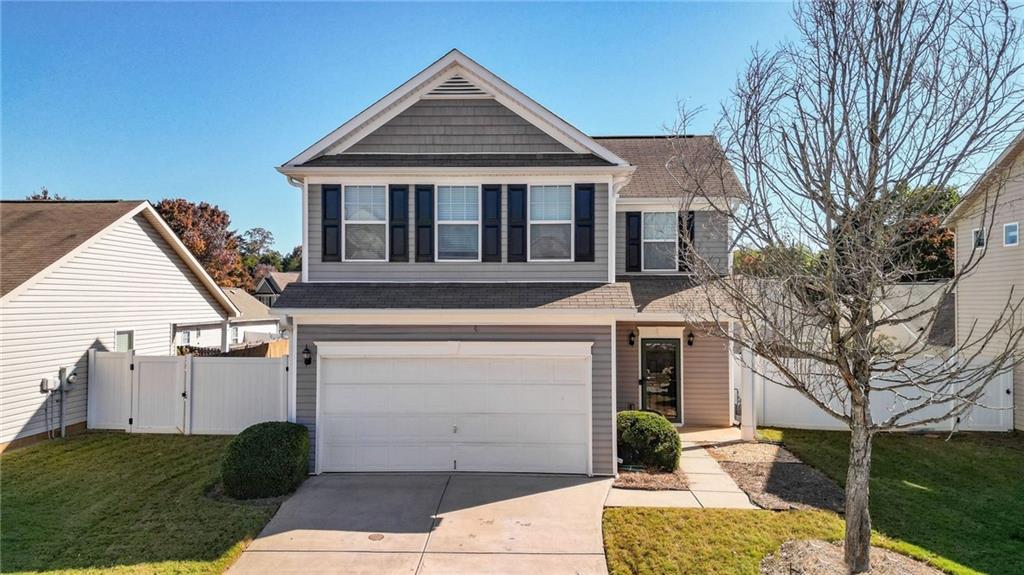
(633, 241)
(491, 223)
(685, 240)
(424, 223)
(398, 223)
(584, 222)
(517, 223)
(330, 223)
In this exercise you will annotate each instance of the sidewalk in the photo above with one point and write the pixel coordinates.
(710, 487)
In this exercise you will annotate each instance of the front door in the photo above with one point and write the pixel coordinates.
(659, 368)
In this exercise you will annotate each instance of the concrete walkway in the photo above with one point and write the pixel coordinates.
(710, 487)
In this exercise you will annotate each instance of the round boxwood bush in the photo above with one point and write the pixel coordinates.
(648, 440)
(266, 460)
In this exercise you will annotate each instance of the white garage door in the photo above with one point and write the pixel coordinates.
(462, 406)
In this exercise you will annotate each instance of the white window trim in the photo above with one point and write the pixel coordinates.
(129, 331)
(345, 222)
(1016, 243)
(974, 242)
(643, 258)
(234, 334)
(571, 221)
(479, 224)
(183, 335)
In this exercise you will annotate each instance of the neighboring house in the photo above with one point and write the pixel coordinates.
(82, 275)
(484, 285)
(271, 285)
(988, 220)
(253, 324)
(923, 334)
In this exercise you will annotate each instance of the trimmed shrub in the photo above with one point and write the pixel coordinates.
(266, 460)
(649, 440)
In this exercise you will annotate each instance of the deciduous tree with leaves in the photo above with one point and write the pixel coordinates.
(827, 133)
(205, 231)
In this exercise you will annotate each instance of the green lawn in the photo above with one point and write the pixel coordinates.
(120, 503)
(957, 504)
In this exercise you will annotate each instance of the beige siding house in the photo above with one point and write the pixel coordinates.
(86, 275)
(484, 286)
(988, 221)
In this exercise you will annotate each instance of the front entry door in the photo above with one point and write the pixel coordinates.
(659, 365)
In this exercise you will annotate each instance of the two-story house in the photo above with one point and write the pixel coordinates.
(484, 286)
(988, 240)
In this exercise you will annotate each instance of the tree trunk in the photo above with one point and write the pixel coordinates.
(857, 547)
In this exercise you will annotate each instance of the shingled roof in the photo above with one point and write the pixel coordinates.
(456, 296)
(456, 161)
(668, 166)
(35, 234)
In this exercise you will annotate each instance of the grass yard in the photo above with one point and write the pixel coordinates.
(120, 503)
(958, 505)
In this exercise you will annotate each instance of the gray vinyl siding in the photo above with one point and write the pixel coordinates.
(457, 126)
(601, 381)
(705, 376)
(710, 239)
(129, 279)
(595, 271)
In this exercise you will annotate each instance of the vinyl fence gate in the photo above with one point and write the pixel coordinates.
(184, 394)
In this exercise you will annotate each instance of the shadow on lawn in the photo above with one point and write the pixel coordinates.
(959, 500)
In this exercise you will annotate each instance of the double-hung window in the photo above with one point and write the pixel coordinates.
(458, 223)
(978, 238)
(1011, 234)
(124, 340)
(550, 223)
(364, 223)
(660, 241)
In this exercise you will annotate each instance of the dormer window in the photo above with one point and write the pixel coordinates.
(550, 223)
(364, 225)
(458, 223)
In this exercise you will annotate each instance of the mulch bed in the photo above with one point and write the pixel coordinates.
(651, 480)
(816, 557)
(776, 479)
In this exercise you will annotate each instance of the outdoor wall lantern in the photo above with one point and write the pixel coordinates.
(632, 338)
(307, 357)
(689, 339)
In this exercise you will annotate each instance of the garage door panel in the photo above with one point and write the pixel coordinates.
(522, 428)
(541, 398)
(520, 458)
(383, 428)
(388, 457)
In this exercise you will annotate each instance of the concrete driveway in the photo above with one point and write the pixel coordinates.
(435, 523)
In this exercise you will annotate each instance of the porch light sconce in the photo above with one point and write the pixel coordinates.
(307, 357)
(689, 339)
(632, 338)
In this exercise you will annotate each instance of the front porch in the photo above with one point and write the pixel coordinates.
(680, 370)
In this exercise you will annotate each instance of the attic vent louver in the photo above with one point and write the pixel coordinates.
(456, 87)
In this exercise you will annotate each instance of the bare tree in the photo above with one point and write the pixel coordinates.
(827, 133)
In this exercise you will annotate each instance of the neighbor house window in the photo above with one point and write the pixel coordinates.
(660, 238)
(1011, 234)
(234, 334)
(458, 223)
(364, 223)
(550, 223)
(186, 338)
(978, 237)
(124, 340)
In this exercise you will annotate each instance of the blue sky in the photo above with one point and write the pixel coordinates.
(203, 100)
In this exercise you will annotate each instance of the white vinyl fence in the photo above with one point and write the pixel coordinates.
(184, 394)
(779, 406)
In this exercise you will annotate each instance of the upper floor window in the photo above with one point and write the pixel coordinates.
(660, 241)
(124, 340)
(550, 223)
(364, 223)
(1011, 234)
(458, 223)
(978, 238)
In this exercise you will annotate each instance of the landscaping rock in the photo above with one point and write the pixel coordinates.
(816, 557)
